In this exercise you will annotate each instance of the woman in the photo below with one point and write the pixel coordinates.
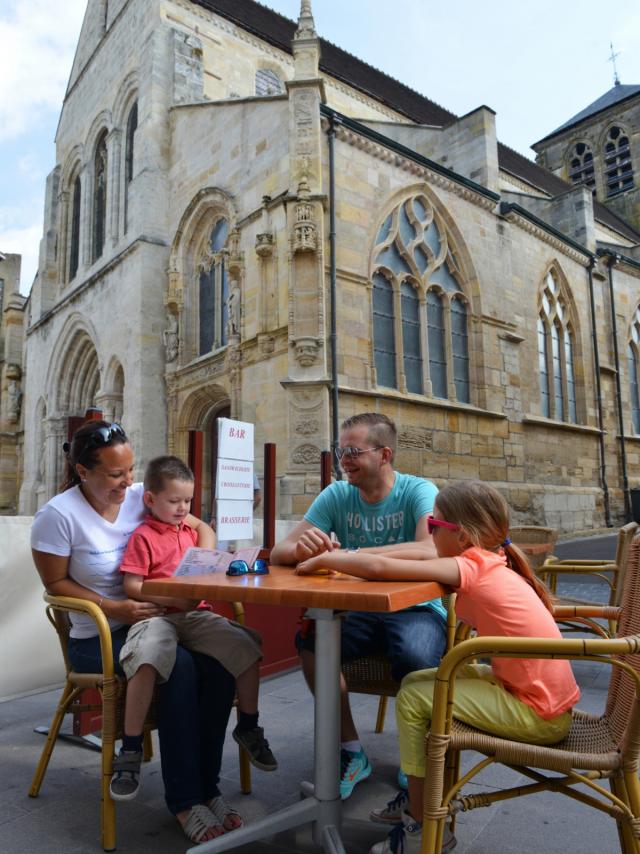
(78, 539)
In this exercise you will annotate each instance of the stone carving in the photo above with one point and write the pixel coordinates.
(14, 401)
(267, 344)
(171, 338)
(306, 455)
(305, 238)
(233, 310)
(264, 244)
(306, 351)
(308, 427)
(415, 437)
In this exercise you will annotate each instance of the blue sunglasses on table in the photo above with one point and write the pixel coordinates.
(241, 567)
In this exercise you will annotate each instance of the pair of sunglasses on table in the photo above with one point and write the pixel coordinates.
(241, 567)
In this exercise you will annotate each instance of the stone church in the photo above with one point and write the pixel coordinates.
(247, 221)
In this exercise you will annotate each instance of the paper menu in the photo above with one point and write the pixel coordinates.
(196, 561)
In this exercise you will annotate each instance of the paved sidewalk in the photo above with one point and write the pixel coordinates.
(65, 817)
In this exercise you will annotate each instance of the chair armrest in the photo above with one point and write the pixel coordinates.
(604, 612)
(576, 562)
(583, 568)
(83, 606)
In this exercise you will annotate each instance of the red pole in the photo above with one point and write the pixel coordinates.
(325, 469)
(269, 530)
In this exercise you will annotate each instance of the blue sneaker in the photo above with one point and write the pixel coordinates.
(354, 767)
(403, 783)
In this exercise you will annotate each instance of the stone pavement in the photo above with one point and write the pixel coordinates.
(65, 817)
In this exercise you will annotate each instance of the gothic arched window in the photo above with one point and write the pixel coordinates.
(100, 197)
(268, 82)
(132, 126)
(581, 166)
(556, 345)
(618, 170)
(420, 317)
(213, 290)
(633, 365)
(74, 228)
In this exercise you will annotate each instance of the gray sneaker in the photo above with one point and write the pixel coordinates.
(125, 780)
(393, 812)
(256, 747)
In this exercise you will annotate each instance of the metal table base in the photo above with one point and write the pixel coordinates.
(323, 806)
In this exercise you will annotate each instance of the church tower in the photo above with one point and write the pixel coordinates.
(600, 147)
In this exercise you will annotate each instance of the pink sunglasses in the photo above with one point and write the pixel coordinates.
(432, 524)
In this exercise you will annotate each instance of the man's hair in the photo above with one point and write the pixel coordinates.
(162, 469)
(382, 430)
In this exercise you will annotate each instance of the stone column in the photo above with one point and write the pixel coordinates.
(114, 171)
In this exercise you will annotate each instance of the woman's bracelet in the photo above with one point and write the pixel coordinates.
(100, 602)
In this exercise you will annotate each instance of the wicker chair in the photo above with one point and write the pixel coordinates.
(612, 573)
(112, 691)
(371, 674)
(597, 746)
(534, 535)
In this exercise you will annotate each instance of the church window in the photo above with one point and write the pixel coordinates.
(633, 365)
(100, 197)
(556, 357)
(74, 242)
(581, 166)
(213, 290)
(618, 171)
(426, 349)
(132, 126)
(268, 82)
(384, 347)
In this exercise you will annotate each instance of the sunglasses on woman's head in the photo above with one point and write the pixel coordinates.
(99, 438)
(241, 567)
(432, 524)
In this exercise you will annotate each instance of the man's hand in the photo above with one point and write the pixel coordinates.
(313, 542)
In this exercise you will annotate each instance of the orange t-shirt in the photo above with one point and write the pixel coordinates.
(496, 601)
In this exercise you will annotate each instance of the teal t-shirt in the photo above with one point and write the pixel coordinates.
(356, 523)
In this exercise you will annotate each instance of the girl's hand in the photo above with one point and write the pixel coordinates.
(319, 565)
(131, 611)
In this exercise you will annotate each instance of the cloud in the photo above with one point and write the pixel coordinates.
(38, 46)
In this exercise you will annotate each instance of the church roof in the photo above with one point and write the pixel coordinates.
(278, 31)
(615, 95)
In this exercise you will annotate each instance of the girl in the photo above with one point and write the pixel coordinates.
(520, 699)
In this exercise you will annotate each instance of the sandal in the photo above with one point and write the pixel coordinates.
(199, 821)
(228, 817)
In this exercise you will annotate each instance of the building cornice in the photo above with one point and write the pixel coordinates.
(530, 223)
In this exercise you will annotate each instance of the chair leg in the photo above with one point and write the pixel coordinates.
(108, 807)
(245, 767)
(382, 711)
(68, 695)
(147, 746)
(628, 842)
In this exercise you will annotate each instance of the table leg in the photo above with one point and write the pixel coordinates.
(323, 807)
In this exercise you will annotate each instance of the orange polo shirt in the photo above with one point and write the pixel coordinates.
(496, 601)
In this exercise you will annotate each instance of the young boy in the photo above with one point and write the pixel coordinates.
(154, 551)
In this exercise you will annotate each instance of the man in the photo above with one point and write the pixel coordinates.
(378, 508)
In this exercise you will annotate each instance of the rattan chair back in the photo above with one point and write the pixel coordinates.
(535, 535)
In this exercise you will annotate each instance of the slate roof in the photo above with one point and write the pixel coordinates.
(615, 95)
(342, 65)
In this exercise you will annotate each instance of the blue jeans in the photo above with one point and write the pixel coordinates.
(193, 711)
(414, 639)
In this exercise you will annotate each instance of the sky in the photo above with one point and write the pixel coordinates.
(535, 64)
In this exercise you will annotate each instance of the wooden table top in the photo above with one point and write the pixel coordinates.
(283, 587)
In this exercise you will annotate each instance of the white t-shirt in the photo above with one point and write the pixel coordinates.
(69, 526)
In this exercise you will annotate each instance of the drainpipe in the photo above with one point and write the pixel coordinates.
(331, 136)
(612, 259)
(596, 366)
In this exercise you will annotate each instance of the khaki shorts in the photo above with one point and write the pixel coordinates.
(154, 642)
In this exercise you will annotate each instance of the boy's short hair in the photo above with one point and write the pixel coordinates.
(382, 429)
(162, 469)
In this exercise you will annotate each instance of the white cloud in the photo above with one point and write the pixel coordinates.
(38, 44)
(26, 242)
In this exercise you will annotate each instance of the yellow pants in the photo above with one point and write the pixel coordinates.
(480, 701)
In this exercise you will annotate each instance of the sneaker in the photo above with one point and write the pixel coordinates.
(394, 810)
(406, 838)
(125, 780)
(402, 779)
(256, 747)
(354, 767)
